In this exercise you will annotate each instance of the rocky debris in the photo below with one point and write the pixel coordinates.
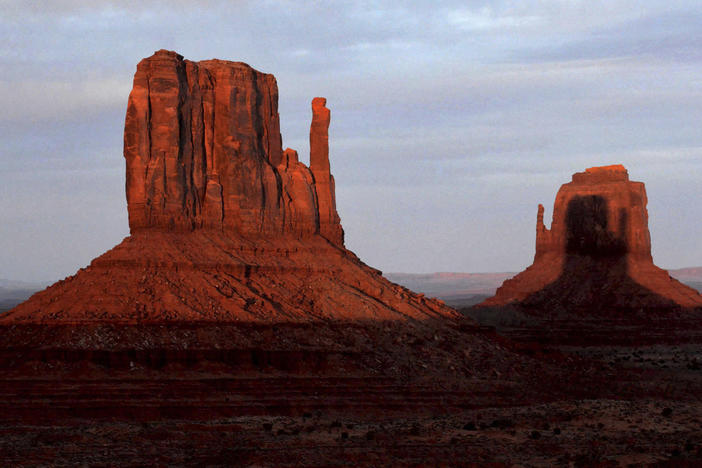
(205, 424)
(596, 257)
(204, 275)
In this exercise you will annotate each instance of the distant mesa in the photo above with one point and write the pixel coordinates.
(596, 257)
(225, 224)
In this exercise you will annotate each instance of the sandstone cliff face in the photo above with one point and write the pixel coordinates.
(597, 253)
(203, 149)
(226, 226)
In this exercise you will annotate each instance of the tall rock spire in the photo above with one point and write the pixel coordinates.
(329, 223)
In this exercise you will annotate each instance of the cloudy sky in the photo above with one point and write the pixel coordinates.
(451, 121)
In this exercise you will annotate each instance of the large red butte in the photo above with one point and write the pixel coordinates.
(225, 225)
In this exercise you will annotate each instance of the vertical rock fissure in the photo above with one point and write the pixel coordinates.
(260, 142)
(181, 163)
(148, 129)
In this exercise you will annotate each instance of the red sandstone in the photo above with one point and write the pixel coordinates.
(329, 223)
(225, 225)
(597, 252)
(203, 149)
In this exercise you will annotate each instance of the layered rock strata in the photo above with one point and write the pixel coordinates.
(205, 275)
(597, 254)
(225, 225)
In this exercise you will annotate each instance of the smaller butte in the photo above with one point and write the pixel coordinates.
(596, 257)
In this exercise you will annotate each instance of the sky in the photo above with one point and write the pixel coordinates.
(451, 121)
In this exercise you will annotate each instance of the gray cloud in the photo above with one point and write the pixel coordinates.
(449, 122)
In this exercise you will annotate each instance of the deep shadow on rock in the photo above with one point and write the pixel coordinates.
(597, 253)
(595, 278)
(593, 270)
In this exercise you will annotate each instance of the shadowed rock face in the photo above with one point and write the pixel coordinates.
(597, 254)
(203, 149)
(588, 232)
(597, 207)
(225, 225)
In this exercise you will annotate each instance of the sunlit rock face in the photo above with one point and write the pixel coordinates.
(225, 225)
(597, 254)
(203, 149)
(329, 223)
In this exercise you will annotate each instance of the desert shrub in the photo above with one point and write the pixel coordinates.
(469, 426)
(502, 423)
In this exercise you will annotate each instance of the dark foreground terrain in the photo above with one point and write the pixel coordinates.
(359, 394)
